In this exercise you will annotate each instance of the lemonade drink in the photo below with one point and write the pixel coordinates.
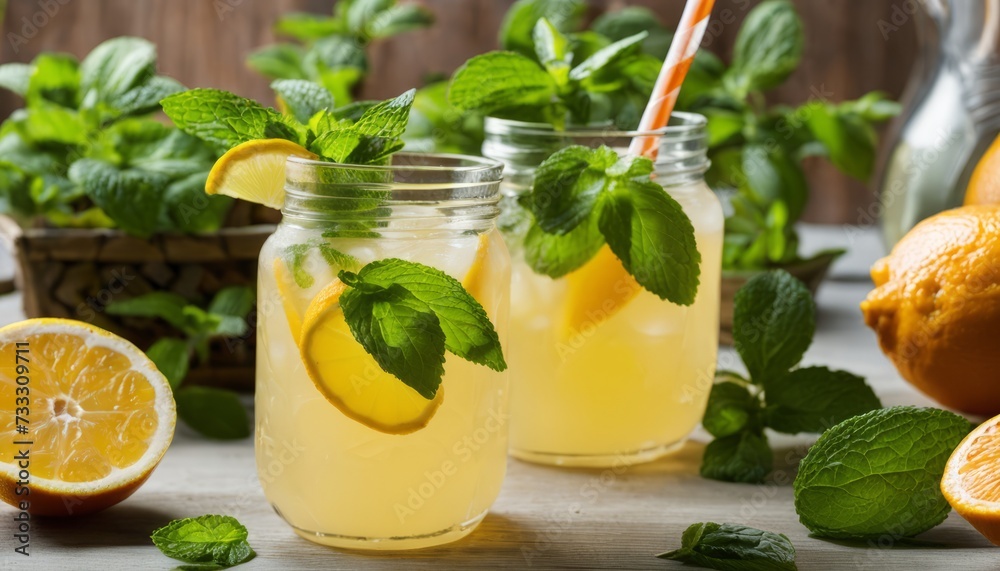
(605, 372)
(334, 479)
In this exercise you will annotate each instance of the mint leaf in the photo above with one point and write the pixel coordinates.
(132, 198)
(146, 97)
(296, 258)
(849, 140)
(773, 324)
(155, 304)
(566, 187)
(16, 77)
(731, 409)
(215, 413)
(56, 79)
(399, 331)
(878, 474)
(606, 56)
(336, 146)
(556, 255)
(742, 457)
(772, 176)
(552, 49)
(232, 305)
(172, 358)
(813, 399)
(190, 209)
(631, 20)
(115, 67)
(219, 117)
(516, 30)
(768, 47)
(467, 329)
(305, 26)
(206, 539)
(731, 547)
(303, 98)
(496, 81)
(649, 232)
(396, 20)
(278, 61)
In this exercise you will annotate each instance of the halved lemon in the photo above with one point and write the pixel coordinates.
(255, 171)
(971, 481)
(595, 292)
(351, 379)
(95, 421)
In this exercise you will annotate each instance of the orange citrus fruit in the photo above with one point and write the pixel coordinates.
(595, 292)
(255, 171)
(95, 421)
(971, 481)
(936, 307)
(984, 186)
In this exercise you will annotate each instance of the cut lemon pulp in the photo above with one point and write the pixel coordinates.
(96, 419)
(351, 379)
(595, 292)
(255, 171)
(971, 481)
(286, 289)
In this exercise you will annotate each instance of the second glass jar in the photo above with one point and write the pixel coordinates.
(603, 372)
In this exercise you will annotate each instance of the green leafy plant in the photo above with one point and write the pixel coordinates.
(758, 150)
(438, 126)
(730, 547)
(214, 541)
(331, 49)
(585, 198)
(82, 153)
(361, 133)
(568, 79)
(878, 475)
(216, 413)
(773, 325)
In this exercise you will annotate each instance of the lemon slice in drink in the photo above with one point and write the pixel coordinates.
(255, 171)
(596, 292)
(351, 379)
(96, 419)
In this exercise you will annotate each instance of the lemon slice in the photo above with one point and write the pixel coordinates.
(596, 292)
(255, 171)
(347, 375)
(351, 379)
(287, 290)
(98, 416)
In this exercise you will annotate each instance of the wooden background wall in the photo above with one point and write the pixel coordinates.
(204, 43)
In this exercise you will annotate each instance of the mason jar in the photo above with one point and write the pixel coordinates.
(389, 469)
(606, 373)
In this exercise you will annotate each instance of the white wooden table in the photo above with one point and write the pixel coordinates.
(632, 516)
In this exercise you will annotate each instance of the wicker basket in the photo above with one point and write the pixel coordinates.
(75, 273)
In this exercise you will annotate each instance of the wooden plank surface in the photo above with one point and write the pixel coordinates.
(204, 43)
(545, 518)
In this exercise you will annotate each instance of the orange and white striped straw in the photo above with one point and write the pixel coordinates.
(683, 48)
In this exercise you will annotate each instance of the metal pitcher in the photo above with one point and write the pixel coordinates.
(953, 115)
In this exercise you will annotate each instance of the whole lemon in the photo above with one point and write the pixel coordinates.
(984, 186)
(936, 308)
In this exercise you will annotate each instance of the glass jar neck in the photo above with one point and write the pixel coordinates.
(523, 146)
(415, 194)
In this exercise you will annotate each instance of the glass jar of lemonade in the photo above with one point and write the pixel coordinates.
(347, 454)
(607, 373)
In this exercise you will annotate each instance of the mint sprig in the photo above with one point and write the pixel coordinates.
(878, 475)
(731, 547)
(773, 325)
(557, 80)
(210, 539)
(582, 198)
(407, 314)
(226, 120)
